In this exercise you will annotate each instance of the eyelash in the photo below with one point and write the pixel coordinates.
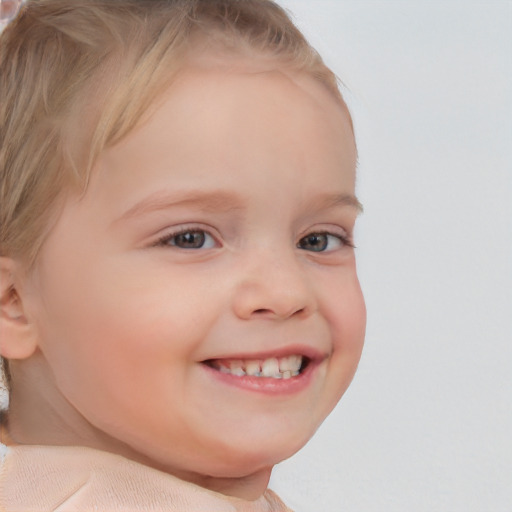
(165, 239)
(345, 240)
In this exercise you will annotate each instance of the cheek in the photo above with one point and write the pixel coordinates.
(106, 325)
(347, 319)
(352, 323)
(345, 311)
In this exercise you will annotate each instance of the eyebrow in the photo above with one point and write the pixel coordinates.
(222, 202)
(208, 202)
(336, 200)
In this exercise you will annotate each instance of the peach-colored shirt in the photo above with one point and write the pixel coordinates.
(72, 479)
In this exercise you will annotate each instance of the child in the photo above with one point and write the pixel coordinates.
(179, 302)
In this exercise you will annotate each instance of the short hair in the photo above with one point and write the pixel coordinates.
(76, 76)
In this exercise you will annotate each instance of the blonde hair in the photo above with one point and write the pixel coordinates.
(77, 76)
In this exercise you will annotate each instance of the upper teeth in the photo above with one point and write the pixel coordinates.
(276, 368)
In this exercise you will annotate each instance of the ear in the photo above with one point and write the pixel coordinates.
(18, 338)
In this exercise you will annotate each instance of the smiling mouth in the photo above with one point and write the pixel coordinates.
(271, 368)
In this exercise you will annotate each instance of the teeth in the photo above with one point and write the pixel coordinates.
(270, 368)
(253, 368)
(237, 368)
(290, 364)
(282, 368)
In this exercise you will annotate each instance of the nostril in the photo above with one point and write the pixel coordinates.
(271, 312)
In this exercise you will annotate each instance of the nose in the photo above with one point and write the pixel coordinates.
(273, 288)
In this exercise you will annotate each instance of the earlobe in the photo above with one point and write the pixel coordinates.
(17, 335)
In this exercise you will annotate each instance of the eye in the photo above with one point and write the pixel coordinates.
(189, 239)
(323, 242)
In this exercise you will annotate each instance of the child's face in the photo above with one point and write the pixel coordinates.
(215, 233)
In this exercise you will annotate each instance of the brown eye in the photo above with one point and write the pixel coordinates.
(191, 239)
(323, 242)
(316, 242)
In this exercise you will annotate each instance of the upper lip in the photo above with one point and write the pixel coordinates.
(308, 352)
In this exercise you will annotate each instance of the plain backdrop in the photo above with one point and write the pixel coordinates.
(427, 422)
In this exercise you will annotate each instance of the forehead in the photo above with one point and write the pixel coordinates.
(254, 87)
(247, 73)
(218, 121)
(207, 98)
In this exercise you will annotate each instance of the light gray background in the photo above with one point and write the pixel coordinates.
(427, 422)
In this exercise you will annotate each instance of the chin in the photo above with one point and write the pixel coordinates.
(257, 453)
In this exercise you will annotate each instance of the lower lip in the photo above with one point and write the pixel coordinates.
(267, 385)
